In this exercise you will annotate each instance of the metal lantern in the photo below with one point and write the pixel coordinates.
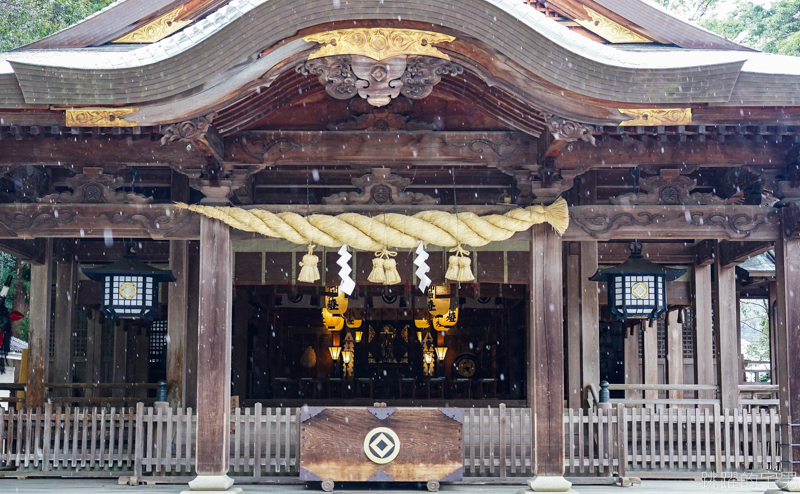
(637, 288)
(130, 287)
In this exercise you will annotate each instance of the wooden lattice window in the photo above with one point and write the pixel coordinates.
(158, 342)
(688, 333)
(80, 326)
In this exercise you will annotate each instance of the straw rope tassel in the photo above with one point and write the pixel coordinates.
(310, 272)
(389, 230)
(384, 268)
(459, 267)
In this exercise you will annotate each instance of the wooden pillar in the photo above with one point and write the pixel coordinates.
(94, 353)
(214, 356)
(704, 337)
(650, 357)
(773, 335)
(193, 304)
(39, 333)
(177, 321)
(674, 353)
(64, 314)
(546, 364)
(633, 366)
(573, 343)
(787, 361)
(120, 368)
(241, 314)
(726, 333)
(590, 318)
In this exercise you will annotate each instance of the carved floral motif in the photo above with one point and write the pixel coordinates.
(657, 116)
(422, 73)
(93, 187)
(378, 43)
(380, 187)
(567, 130)
(99, 117)
(610, 30)
(156, 29)
(669, 188)
(189, 130)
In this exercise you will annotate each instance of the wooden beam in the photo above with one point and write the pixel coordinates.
(66, 285)
(616, 153)
(703, 338)
(590, 317)
(39, 336)
(754, 223)
(736, 252)
(704, 252)
(674, 354)
(214, 348)
(658, 252)
(546, 368)
(573, 315)
(31, 251)
(177, 320)
(787, 257)
(726, 333)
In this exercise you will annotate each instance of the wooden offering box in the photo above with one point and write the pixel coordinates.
(344, 444)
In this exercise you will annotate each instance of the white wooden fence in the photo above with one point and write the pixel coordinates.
(640, 442)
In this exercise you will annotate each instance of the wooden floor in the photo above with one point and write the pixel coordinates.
(81, 486)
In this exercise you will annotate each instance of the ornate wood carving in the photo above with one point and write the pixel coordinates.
(99, 117)
(395, 116)
(190, 130)
(93, 187)
(156, 29)
(30, 182)
(380, 187)
(344, 76)
(610, 30)
(724, 222)
(378, 43)
(657, 116)
(567, 130)
(503, 149)
(669, 188)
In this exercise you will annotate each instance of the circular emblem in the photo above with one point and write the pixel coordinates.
(127, 291)
(381, 445)
(466, 368)
(640, 290)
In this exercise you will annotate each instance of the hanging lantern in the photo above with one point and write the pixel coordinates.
(448, 320)
(332, 322)
(359, 335)
(637, 288)
(335, 351)
(130, 287)
(437, 306)
(336, 301)
(441, 353)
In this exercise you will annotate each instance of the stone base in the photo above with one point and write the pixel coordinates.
(212, 484)
(789, 485)
(545, 485)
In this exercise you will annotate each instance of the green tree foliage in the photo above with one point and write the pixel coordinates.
(772, 28)
(693, 10)
(25, 21)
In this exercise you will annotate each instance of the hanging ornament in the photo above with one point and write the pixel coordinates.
(437, 306)
(347, 285)
(336, 301)
(332, 322)
(309, 273)
(447, 321)
(384, 268)
(459, 266)
(422, 267)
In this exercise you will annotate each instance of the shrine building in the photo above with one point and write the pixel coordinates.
(444, 242)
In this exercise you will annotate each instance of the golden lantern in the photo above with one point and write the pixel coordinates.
(428, 356)
(441, 352)
(437, 306)
(422, 323)
(359, 335)
(332, 322)
(335, 351)
(354, 323)
(347, 356)
(336, 301)
(419, 336)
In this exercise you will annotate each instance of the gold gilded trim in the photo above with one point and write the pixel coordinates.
(610, 30)
(156, 29)
(100, 117)
(378, 43)
(658, 116)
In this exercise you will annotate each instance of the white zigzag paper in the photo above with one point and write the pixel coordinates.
(422, 267)
(347, 285)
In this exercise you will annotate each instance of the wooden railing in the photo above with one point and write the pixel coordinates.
(94, 400)
(264, 442)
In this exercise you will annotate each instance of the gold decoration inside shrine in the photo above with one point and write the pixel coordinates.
(336, 302)
(610, 30)
(378, 43)
(376, 233)
(155, 30)
(99, 117)
(657, 116)
(332, 322)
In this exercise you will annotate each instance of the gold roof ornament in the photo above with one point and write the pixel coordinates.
(155, 30)
(99, 117)
(378, 43)
(657, 116)
(610, 30)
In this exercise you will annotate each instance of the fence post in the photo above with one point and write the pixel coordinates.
(717, 442)
(138, 451)
(622, 441)
(502, 440)
(48, 413)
